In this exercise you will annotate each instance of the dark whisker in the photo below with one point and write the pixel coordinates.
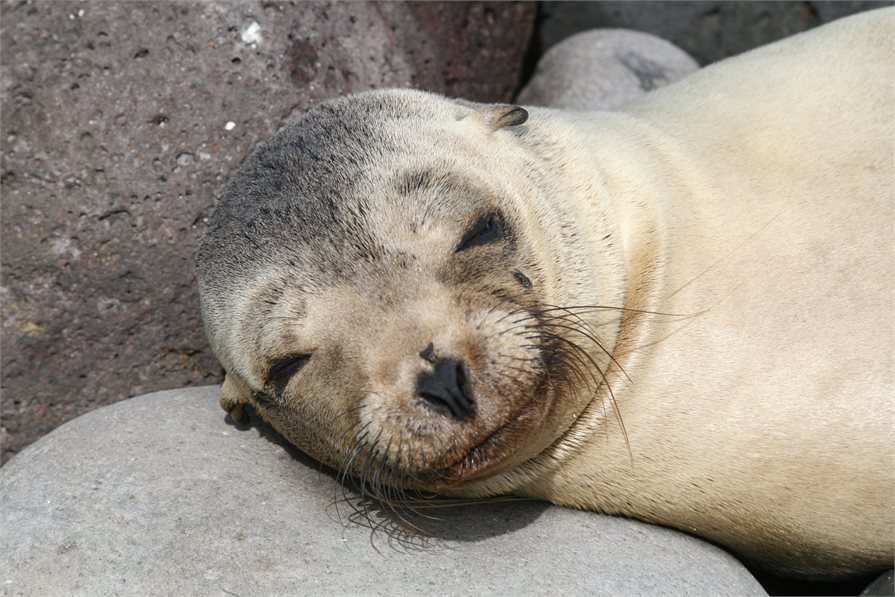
(596, 341)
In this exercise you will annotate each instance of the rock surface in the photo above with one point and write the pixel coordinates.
(158, 495)
(121, 120)
(604, 69)
(708, 31)
(884, 585)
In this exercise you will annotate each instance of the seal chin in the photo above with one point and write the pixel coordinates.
(494, 451)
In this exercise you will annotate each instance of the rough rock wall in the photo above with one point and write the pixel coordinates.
(120, 123)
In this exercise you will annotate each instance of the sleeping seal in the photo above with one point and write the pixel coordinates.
(680, 312)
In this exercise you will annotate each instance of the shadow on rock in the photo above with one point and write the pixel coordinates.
(426, 518)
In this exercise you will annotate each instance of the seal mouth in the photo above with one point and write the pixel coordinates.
(494, 448)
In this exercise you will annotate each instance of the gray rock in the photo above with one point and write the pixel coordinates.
(157, 495)
(708, 31)
(121, 120)
(882, 586)
(604, 69)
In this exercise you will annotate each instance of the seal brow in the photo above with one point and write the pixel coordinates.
(414, 181)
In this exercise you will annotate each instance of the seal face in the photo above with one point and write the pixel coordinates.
(374, 287)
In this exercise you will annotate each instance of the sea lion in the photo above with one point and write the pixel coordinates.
(680, 311)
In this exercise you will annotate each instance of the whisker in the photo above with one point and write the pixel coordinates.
(597, 342)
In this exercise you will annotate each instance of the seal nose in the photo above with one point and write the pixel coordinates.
(445, 389)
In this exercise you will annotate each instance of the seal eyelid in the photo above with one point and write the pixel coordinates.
(282, 369)
(485, 230)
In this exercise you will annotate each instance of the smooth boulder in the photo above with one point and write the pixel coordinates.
(160, 495)
(604, 69)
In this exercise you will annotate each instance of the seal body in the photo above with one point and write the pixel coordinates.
(681, 311)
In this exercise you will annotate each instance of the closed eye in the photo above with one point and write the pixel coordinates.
(486, 229)
(283, 368)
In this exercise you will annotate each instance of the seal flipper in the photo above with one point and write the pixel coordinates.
(234, 397)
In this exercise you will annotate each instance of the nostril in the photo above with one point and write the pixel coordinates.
(462, 383)
(452, 373)
(435, 396)
(428, 353)
(446, 390)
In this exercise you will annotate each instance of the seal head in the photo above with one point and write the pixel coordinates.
(382, 283)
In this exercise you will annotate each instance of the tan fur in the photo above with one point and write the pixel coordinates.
(737, 229)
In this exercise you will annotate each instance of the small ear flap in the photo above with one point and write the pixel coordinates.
(498, 116)
(234, 396)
